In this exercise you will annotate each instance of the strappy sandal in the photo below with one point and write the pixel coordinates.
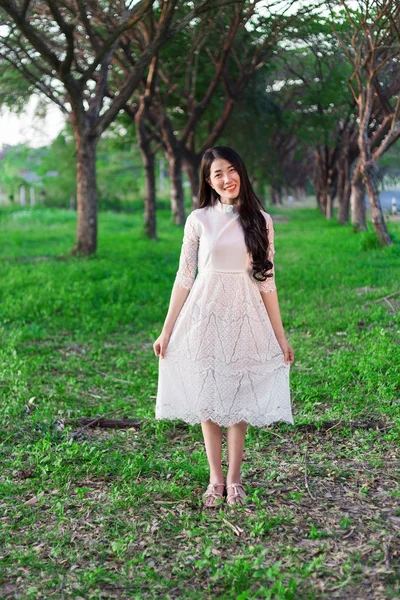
(236, 497)
(211, 492)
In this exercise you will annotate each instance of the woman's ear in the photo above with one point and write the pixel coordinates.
(209, 182)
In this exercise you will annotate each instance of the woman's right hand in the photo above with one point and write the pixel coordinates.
(161, 343)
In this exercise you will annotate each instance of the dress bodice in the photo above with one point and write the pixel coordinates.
(214, 241)
(221, 240)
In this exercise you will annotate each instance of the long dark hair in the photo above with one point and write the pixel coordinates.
(252, 221)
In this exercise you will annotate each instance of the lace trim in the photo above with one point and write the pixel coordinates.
(186, 273)
(193, 418)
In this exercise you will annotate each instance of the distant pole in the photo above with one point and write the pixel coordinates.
(32, 196)
(22, 199)
(161, 175)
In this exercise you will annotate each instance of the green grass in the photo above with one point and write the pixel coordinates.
(118, 514)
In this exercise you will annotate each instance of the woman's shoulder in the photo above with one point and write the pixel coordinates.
(197, 214)
(196, 221)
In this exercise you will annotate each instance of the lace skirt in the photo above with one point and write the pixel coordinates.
(223, 361)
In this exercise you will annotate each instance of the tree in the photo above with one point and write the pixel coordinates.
(200, 80)
(183, 79)
(311, 82)
(65, 49)
(263, 127)
(373, 50)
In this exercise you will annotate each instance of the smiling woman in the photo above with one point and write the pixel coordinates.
(224, 357)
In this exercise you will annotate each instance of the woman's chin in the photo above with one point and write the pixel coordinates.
(229, 196)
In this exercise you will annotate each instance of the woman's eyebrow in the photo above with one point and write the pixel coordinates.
(220, 170)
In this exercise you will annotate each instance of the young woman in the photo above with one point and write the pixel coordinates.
(224, 358)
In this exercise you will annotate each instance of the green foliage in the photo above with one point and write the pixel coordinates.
(315, 72)
(250, 129)
(369, 241)
(12, 165)
(58, 157)
(15, 90)
(119, 171)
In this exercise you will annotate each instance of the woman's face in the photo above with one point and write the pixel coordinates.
(224, 179)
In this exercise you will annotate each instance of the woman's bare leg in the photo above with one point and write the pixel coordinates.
(212, 434)
(235, 436)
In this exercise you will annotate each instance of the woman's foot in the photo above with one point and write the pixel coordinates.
(214, 495)
(235, 494)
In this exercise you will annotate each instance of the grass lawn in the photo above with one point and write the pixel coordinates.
(97, 513)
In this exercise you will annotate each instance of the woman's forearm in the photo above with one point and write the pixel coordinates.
(178, 298)
(271, 303)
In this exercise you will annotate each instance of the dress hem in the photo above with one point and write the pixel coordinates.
(199, 420)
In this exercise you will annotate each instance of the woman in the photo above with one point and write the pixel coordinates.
(224, 357)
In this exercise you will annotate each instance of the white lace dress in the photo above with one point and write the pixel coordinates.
(223, 361)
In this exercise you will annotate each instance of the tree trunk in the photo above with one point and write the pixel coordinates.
(150, 197)
(321, 188)
(329, 207)
(192, 169)
(332, 191)
(378, 221)
(177, 196)
(150, 221)
(357, 202)
(86, 193)
(319, 183)
(344, 187)
(300, 193)
(323, 199)
(329, 204)
(276, 194)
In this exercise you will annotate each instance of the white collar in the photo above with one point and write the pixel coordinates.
(226, 208)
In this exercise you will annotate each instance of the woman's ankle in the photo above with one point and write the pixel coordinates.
(216, 477)
(235, 478)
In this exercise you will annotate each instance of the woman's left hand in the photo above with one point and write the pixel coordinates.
(287, 350)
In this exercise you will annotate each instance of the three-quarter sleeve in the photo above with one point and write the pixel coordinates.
(189, 254)
(269, 284)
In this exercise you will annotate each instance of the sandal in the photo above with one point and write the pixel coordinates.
(211, 492)
(236, 497)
